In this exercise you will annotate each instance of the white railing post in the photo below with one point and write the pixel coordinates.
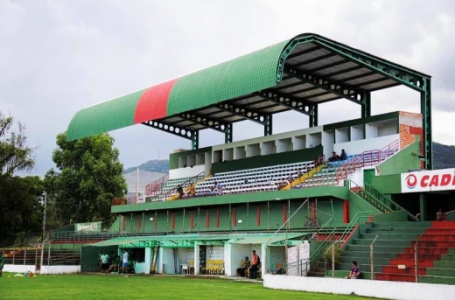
(372, 258)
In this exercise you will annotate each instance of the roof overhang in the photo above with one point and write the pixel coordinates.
(297, 74)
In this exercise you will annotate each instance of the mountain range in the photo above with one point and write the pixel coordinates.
(443, 158)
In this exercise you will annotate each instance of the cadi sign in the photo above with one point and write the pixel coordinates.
(427, 181)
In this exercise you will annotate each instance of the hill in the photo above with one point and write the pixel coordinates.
(157, 166)
(443, 156)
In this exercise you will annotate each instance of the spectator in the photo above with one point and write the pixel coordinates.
(125, 261)
(355, 271)
(343, 155)
(334, 157)
(244, 265)
(180, 191)
(255, 265)
(191, 191)
(115, 266)
(104, 261)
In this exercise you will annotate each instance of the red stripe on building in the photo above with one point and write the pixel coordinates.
(285, 213)
(152, 104)
(138, 223)
(313, 210)
(346, 211)
(207, 218)
(123, 223)
(258, 215)
(217, 218)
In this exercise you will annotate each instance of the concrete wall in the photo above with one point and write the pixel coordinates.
(360, 146)
(144, 267)
(19, 268)
(166, 263)
(60, 269)
(367, 288)
(186, 172)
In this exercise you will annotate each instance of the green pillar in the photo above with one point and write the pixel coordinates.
(423, 207)
(195, 141)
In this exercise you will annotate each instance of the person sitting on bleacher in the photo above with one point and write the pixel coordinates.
(334, 157)
(343, 155)
(115, 265)
(180, 191)
(319, 161)
(355, 271)
(191, 192)
(244, 265)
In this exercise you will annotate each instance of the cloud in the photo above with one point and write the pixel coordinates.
(57, 57)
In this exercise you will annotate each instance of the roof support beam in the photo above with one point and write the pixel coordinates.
(345, 91)
(425, 110)
(192, 135)
(205, 121)
(252, 115)
(314, 116)
(293, 103)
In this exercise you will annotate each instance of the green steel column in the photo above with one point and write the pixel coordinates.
(228, 134)
(268, 125)
(366, 106)
(425, 109)
(314, 116)
(195, 141)
(423, 207)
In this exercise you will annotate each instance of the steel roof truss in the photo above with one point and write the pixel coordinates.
(293, 103)
(192, 135)
(345, 91)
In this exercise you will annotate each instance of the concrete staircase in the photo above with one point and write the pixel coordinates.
(435, 257)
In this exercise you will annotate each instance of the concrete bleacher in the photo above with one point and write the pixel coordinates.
(170, 186)
(253, 180)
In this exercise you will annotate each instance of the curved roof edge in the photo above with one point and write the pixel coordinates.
(234, 78)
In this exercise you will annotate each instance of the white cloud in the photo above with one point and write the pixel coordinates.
(57, 57)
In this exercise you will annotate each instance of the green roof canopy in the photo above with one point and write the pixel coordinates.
(296, 74)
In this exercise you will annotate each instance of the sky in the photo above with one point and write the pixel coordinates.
(58, 57)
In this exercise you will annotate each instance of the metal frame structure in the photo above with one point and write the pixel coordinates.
(310, 70)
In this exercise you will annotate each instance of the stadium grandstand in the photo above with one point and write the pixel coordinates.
(310, 200)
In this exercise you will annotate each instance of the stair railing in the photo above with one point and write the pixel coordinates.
(187, 182)
(358, 216)
(372, 258)
(416, 259)
(392, 205)
(151, 189)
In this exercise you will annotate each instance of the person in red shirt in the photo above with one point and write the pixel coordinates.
(255, 264)
(355, 271)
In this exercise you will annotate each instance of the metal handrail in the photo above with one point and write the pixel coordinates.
(392, 203)
(372, 258)
(416, 259)
(353, 223)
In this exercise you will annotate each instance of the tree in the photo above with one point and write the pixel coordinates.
(90, 177)
(14, 154)
(20, 207)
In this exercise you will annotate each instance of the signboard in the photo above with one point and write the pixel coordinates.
(93, 226)
(427, 181)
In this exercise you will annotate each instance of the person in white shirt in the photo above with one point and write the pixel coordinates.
(125, 261)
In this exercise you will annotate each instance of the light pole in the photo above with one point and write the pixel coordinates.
(44, 232)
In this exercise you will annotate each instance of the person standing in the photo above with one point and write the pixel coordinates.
(104, 261)
(255, 264)
(125, 261)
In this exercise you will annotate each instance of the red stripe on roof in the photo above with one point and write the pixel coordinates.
(153, 103)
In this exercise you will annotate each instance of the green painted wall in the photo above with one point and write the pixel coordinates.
(267, 160)
(358, 204)
(396, 216)
(388, 184)
(174, 157)
(405, 160)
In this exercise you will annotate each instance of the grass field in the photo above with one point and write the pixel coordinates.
(143, 287)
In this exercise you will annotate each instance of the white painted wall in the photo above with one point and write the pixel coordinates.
(208, 163)
(367, 288)
(275, 254)
(358, 147)
(166, 258)
(371, 131)
(144, 267)
(237, 253)
(19, 268)
(228, 263)
(60, 269)
(295, 254)
(186, 172)
(342, 135)
(215, 252)
(356, 133)
(299, 142)
(387, 129)
(197, 263)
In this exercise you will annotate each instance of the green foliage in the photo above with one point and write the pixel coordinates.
(14, 154)
(20, 209)
(328, 254)
(90, 177)
(160, 166)
(146, 287)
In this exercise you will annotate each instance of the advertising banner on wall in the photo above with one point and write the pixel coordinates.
(93, 226)
(427, 181)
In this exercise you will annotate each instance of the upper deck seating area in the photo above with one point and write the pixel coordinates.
(169, 187)
(258, 179)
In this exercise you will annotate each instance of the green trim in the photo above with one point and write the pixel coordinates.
(228, 80)
(350, 123)
(104, 117)
(323, 191)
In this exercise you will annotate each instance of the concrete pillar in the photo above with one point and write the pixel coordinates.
(264, 260)
(196, 258)
(423, 207)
